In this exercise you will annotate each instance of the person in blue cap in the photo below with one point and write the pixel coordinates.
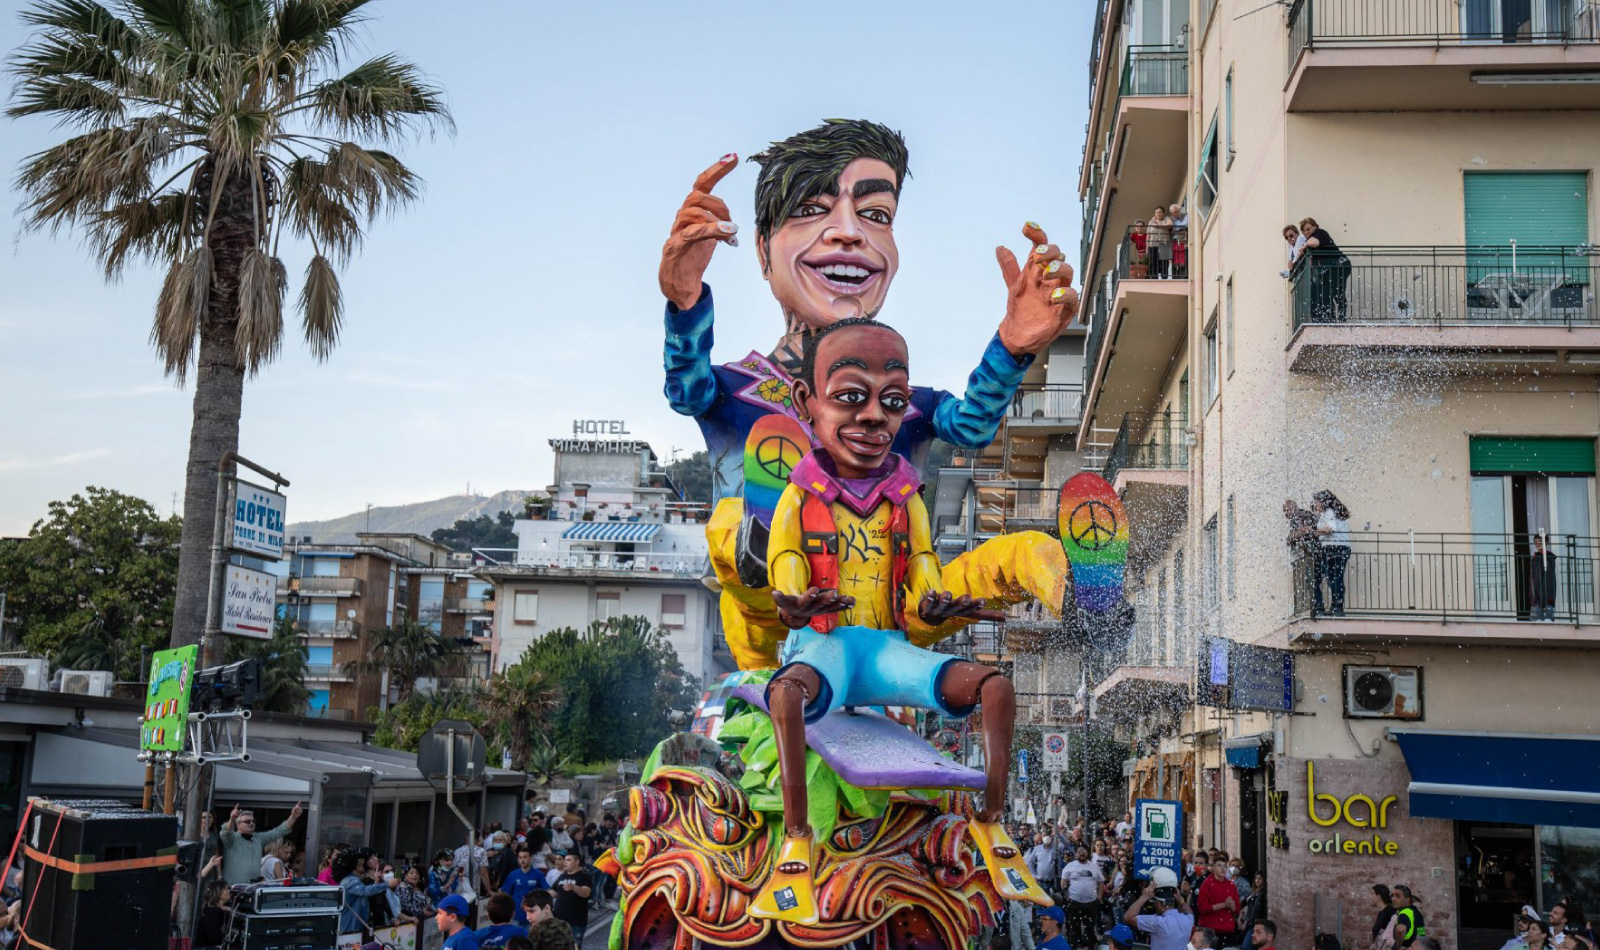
(1051, 922)
(1121, 937)
(452, 920)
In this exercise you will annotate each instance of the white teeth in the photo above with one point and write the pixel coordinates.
(844, 270)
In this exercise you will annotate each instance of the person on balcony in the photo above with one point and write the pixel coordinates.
(1541, 581)
(1141, 244)
(1305, 549)
(1333, 529)
(1158, 236)
(1330, 275)
(1297, 246)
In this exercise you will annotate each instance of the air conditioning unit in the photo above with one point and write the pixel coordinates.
(23, 673)
(82, 682)
(1383, 692)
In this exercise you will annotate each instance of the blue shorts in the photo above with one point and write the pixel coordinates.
(860, 666)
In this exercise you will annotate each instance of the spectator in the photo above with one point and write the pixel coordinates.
(1255, 908)
(384, 906)
(1158, 237)
(1140, 239)
(325, 867)
(572, 890)
(1330, 274)
(1541, 581)
(452, 920)
(1241, 880)
(1383, 923)
(1297, 246)
(1170, 925)
(242, 846)
(1121, 937)
(1019, 925)
(1051, 920)
(441, 877)
(356, 892)
(1218, 902)
(1041, 860)
(1264, 935)
(1180, 241)
(1125, 826)
(1082, 880)
(212, 927)
(414, 902)
(560, 840)
(1536, 937)
(471, 864)
(1333, 529)
(1521, 940)
(1102, 857)
(502, 859)
(210, 840)
(1204, 938)
(1408, 916)
(1199, 870)
(273, 867)
(500, 929)
(523, 879)
(538, 833)
(1305, 549)
(546, 932)
(1000, 941)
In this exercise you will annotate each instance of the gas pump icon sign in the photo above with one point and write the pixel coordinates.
(1157, 825)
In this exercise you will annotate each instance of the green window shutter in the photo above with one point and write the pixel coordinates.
(1535, 209)
(1494, 455)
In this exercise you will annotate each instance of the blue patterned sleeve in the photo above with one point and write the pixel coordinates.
(971, 422)
(691, 386)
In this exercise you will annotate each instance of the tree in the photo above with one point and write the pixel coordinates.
(692, 476)
(93, 582)
(621, 680)
(546, 763)
(408, 651)
(402, 725)
(206, 129)
(283, 667)
(519, 700)
(479, 532)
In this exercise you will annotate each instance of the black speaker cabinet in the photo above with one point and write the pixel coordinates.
(87, 909)
(310, 931)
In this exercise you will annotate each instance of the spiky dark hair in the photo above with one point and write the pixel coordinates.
(808, 360)
(809, 163)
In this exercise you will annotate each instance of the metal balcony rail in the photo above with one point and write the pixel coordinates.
(468, 605)
(1022, 504)
(1154, 71)
(1458, 578)
(680, 565)
(329, 586)
(1355, 23)
(1039, 402)
(338, 629)
(1096, 314)
(1148, 440)
(326, 671)
(1448, 286)
(1135, 262)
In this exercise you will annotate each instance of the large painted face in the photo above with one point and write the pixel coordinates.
(835, 256)
(863, 389)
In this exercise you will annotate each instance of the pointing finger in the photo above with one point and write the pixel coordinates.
(708, 179)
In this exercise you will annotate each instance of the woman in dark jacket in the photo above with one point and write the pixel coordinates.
(1330, 274)
(1253, 909)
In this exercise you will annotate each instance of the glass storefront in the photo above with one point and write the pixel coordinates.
(1569, 866)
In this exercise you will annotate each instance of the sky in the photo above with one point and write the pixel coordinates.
(520, 293)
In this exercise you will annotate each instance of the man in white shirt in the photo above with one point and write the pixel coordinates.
(1125, 825)
(1170, 924)
(1082, 880)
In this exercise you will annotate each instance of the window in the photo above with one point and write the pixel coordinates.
(1227, 114)
(1205, 181)
(1227, 325)
(607, 605)
(1211, 566)
(673, 607)
(430, 602)
(1180, 606)
(525, 606)
(1212, 380)
(1233, 543)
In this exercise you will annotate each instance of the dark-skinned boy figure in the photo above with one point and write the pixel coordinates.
(853, 570)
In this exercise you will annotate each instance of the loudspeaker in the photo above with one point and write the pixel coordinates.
(87, 909)
(282, 932)
(188, 867)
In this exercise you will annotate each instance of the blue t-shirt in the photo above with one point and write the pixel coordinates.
(462, 939)
(496, 935)
(518, 883)
(1058, 942)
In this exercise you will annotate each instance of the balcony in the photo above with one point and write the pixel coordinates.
(327, 586)
(639, 566)
(1479, 308)
(1045, 408)
(1454, 55)
(468, 605)
(1148, 466)
(1141, 324)
(328, 673)
(337, 629)
(1007, 509)
(1464, 588)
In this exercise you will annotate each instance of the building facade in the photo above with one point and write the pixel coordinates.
(1438, 375)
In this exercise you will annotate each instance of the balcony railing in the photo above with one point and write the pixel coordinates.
(1047, 402)
(1457, 577)
(1448, 286)
(328, 586)
(579, 562)
(1135, 262)
(327, 671)
(1091, 210)
(338, 629)
(1096, 314)
(1148, 440)
(1155, 71)
(329, 712)
(1355, 23)
(468, 605)
(1021, 505)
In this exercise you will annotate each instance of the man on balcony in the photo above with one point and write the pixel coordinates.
(1541, 581)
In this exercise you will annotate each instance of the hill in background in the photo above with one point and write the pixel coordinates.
(419, 518)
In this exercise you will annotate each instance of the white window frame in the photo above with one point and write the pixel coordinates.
(521, 598)
(607, 597)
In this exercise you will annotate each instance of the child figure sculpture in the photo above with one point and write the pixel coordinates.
(853, 569)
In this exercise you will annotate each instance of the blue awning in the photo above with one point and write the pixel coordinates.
(1492, 776)
(629, 532)
(1245, 752)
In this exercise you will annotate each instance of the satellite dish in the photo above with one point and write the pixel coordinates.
(351, 613)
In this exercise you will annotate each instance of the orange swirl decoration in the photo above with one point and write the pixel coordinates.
(909, 879)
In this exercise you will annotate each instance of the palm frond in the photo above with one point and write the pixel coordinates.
(148, 227)
(176, 21)
(180, 308)
(385, 98)
(312, 29)
(258, 335)
(93, 37)
(321, 307)
(317, 211)
(80, 177)
(73, 99)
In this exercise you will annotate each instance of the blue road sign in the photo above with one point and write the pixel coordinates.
(1157, 836)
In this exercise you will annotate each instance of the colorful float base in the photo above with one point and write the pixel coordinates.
(897, 869)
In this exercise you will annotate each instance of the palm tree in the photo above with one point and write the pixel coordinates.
(106, 641)
(206, 128)
(518, 700)
(408, 651)
(283, 668)
(546, 763)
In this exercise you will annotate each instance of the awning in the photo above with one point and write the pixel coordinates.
(627, 532)
(1523, 779)
(1245, 751)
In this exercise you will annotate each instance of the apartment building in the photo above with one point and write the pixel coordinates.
(1440, 376)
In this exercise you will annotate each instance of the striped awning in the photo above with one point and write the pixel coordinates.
(629, 532)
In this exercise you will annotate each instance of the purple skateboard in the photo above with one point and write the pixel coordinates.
(870, 750)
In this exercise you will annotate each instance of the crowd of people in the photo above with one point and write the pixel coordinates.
(1161, 244)
(537, 881)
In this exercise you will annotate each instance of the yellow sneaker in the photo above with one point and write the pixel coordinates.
(1006, 868)
(790, 892)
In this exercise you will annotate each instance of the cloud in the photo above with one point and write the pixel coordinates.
(71, 458)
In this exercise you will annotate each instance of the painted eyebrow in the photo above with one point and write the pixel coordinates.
(874, 186)
(896, 364)
(847, 361)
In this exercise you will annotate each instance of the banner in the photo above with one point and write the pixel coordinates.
(166, 702)
(248, 602)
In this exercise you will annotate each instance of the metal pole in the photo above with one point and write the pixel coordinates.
(450, 800)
